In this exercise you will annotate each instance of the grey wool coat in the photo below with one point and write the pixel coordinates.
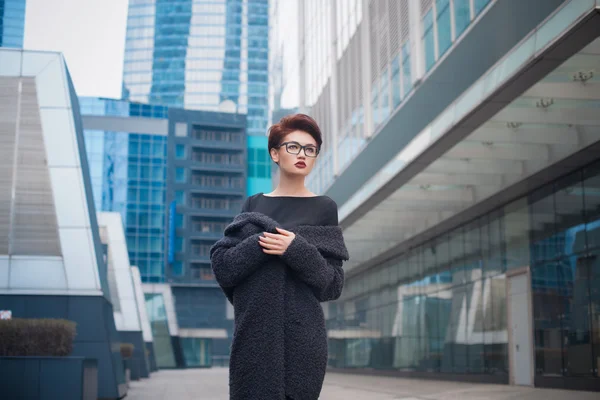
(279, 346)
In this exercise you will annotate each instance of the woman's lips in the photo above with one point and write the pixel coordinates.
(300, 164)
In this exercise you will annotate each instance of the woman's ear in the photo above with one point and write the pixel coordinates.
(275, 156)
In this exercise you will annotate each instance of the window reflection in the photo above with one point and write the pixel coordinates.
(442, 306)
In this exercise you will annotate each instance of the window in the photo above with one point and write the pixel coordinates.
(406, 76)
(396, 86)
(179, 221)
(180, 175)
(385, 96)
(181, 129)
(443, 26)
(375, 104)
(177, 268)
(180, 151)
(479, 5)
(180, 197)
(179, 244)
(462, 15)
(428, 40)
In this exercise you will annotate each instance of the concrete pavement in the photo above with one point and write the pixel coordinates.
(211, 384)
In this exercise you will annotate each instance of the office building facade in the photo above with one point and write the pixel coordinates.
(12, 23)
(465, 166)
(206, 187)
(51, 254)
(210, 55)
(126, 145)
(176, 189)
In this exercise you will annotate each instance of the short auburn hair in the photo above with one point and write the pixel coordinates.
(291, 123)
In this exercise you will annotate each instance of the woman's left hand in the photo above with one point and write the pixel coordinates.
(276, 244)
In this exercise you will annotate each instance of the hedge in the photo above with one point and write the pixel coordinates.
(36, 337)
(127, 350)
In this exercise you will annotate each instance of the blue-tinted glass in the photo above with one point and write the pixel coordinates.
(396, 95)
(219, 61)
(177, 268)
(179, 220)
(384, 94)
(157, 196)
(145, 172)
(406, 74)
(180, 197)
(179, 244)
(462, 15)
(180, 151)
(126, 185)
(12, 23)
(262, 156)
(428, 40)
(262, 171)
(157, 149)
(158, 172)
(145, 149)
(180, 175)
(443, 26)
(479, 5)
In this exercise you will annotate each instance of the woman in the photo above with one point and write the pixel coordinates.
(277, 261)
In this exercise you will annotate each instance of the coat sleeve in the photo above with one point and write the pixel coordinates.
(325, 275)
(234, 260)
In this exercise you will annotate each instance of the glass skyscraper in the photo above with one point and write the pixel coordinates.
(205, 55)
(12, 23)
(128, 174)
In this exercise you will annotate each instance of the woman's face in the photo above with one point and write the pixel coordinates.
(296, 164)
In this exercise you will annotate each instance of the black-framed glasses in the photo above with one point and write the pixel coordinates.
(295, 148)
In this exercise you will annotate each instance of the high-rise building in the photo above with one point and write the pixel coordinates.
(52, 261)
(206, 187)
(205, 55)
(126, 145)
(177, 177)
(461, 146)
(12, 23)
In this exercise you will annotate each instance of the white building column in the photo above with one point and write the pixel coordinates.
(417, 58)
(365, 27)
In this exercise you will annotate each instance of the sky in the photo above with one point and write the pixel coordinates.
(90, 34)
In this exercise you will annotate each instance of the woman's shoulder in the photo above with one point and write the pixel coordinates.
(250, 202)
(329, 208)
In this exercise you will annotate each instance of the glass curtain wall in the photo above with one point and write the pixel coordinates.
(442, 306)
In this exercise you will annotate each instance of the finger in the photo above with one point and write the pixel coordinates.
(274, 252)
(273, 235)
(269, 240)
(284, 232)
(270, 245)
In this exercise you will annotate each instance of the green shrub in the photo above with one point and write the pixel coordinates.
(127, 350)
(36, 337)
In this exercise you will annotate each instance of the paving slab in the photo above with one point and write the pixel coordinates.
(212, 384)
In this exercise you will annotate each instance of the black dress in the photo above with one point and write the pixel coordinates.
(291, 212)
(279, 348)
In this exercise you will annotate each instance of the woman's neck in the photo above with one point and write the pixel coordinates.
(291, 186)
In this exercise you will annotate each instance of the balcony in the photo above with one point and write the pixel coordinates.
(217, 144)
(199, 259)
(210, 235)
(199, 165)
(213, 212)
(205, 189)
(190, 281)
(229, 188)
(208, 206)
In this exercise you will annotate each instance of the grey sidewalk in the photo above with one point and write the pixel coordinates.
(211, 384)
